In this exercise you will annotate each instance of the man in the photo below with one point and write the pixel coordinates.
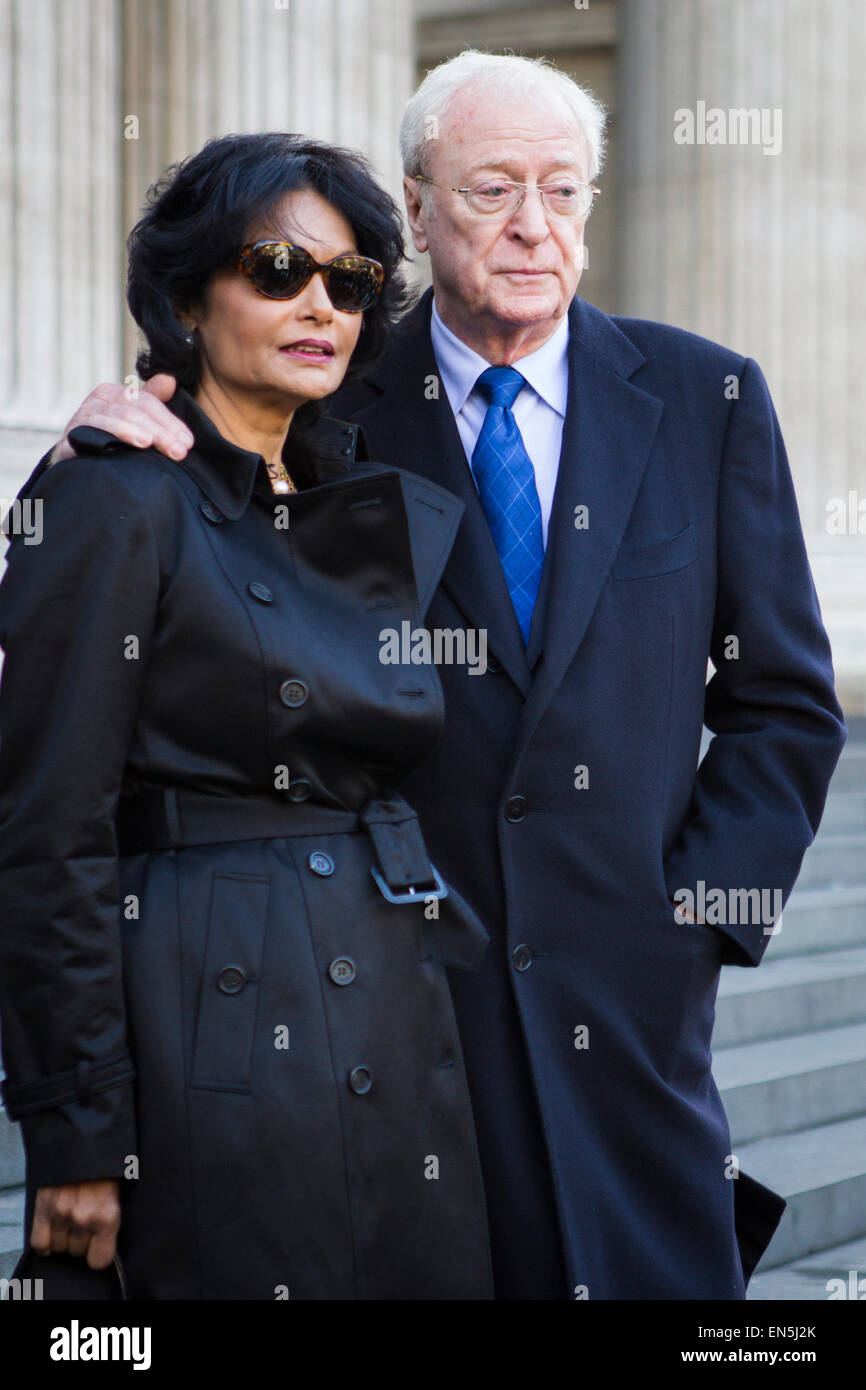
(629, 513)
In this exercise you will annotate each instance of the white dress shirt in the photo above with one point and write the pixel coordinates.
(539, 410)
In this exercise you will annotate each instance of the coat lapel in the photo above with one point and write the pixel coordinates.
(608, 433)
(607, 437)
(434, 516)
(405, 424)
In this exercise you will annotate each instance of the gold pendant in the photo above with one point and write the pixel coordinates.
(284, 483)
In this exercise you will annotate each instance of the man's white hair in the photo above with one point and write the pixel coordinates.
(509, 77)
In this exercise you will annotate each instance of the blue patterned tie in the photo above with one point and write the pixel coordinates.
(506, 485)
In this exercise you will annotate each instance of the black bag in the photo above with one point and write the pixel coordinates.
(69, 1277)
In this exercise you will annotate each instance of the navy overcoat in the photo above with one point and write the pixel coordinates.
(565, 799)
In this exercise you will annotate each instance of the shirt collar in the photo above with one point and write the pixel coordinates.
(545, 369)
(313, 453)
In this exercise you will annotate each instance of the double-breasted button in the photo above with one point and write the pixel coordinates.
(293, 693)
(211, 513)
(321, 863)
(261, 592)
(516, 808)
(494, 665)
(360, 1080)
(232, 979)
(342, 971)
(522, 957)
(348, 450)
(301, 790)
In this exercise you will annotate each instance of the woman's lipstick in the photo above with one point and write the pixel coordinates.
(310, 350)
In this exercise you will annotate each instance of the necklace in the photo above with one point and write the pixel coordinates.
(280, 479)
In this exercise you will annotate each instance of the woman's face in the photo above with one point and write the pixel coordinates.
(267, 348)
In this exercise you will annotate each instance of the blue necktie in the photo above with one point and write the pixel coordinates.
(506, 485)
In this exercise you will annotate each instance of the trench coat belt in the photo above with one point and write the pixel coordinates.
(173, 817)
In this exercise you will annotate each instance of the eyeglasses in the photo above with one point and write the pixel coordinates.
(503, 197)
(279, 270)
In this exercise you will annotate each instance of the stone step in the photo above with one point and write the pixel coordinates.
(11, 1152)
(11, 1229)
(814, 1278)
(844, 812)
(820, 919)
(794, 994)
(821, 1173)
(793, 1083)
(834, 861)
(850, 774)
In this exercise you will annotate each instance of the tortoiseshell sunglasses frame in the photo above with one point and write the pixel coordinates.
(313, 266)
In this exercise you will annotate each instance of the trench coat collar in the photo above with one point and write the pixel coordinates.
(313, 453)
(318, 453)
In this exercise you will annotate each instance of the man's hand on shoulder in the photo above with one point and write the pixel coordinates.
(144, 422)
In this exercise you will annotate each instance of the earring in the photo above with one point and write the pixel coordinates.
(190, 337)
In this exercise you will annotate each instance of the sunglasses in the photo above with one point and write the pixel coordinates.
(280, 270)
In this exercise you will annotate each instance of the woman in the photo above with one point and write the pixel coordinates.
(226, 1024)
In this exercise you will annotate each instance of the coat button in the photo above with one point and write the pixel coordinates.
(342, 971)
(301, 790)
(360, 1080)
(516, 808)
(348, 450)
(211, 513)
(293, 693)
(321, 863)
(349, 432)
(522, 957)
(232, 979)
(494, 665)
(261, 592)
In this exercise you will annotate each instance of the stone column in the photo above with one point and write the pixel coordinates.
(762, 251)
(96, 98)
(339, 70)
(60, 250)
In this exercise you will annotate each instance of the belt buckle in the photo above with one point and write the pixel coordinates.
(412, 894)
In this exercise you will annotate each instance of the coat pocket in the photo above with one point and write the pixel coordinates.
(661, 557)
(228, 998)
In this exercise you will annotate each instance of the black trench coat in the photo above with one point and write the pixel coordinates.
(204, 990)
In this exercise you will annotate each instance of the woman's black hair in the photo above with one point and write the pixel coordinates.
(198, 217)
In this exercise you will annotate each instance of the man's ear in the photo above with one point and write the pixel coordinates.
(415, 213)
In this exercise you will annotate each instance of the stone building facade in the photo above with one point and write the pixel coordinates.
(749, 232)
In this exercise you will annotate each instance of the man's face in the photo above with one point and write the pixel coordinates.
(494, 275)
